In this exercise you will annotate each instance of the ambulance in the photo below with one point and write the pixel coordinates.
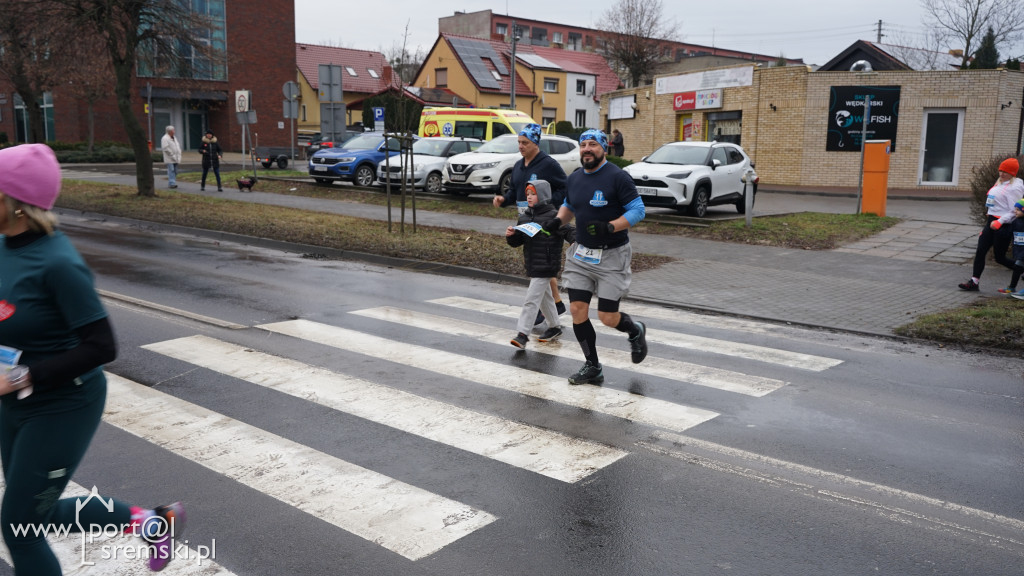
(482, 123)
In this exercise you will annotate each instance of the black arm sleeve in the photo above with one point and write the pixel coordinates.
(96, 347)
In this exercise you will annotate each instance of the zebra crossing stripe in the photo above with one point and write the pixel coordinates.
(599, 399)
(677, 339)
(542, 451)
(100, 552)
(662, 367)
(402, 518)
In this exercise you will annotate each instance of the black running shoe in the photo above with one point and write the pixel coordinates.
(638, 344)
(589, 374)
(519, 341)
(540, 318)
(550, 334)
(970, 285)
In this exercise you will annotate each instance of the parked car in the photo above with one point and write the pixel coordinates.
(356, 160)
(428, 159)
(690, 176)
(489, 169)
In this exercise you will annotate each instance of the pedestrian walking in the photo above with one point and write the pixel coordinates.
(172, 156)
(212, 154)
(604, 201)
(1007, 190)
(618, 147)
(54, 338)
(535, 165)
(542, 257)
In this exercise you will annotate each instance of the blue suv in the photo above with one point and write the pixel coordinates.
(356, 160)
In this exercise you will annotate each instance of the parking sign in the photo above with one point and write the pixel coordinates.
(378, 115)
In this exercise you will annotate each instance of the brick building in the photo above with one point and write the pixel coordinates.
(259, 57)
(787, 119)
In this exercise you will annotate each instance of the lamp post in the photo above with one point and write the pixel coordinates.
(512, 76)
(862, 66)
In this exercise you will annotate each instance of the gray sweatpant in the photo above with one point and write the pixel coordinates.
(538, 295)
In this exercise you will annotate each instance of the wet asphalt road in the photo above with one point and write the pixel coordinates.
(818, 452)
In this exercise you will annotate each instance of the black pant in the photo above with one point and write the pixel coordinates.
(216, 172)
(989, 239)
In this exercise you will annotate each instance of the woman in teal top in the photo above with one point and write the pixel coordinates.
(55, 337)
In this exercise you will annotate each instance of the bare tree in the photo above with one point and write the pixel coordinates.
(30, 45)
(964, 22)
(634, 30)
(160, 34)
(405, 63)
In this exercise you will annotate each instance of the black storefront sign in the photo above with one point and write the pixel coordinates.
(846, 112)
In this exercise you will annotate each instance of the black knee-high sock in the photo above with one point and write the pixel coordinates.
(587, 337)
(626, 325)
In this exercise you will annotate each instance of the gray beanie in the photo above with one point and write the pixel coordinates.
(543, 191)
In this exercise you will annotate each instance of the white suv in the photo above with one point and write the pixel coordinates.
(489, 169)
(428, 159)
(690, 176)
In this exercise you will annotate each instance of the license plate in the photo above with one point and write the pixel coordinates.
(646, 191)
(320, 168)
(457, 177)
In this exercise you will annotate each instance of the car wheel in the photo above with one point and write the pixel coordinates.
(741, 205)
(505, 183)
(265, 164)
(282, 163)
(699, 202)
(433, 184)
(364, 176)
(322, 180)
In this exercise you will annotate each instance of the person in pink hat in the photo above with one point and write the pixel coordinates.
(999, 203)
(54, 339)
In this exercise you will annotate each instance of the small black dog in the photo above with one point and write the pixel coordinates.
(246, 182)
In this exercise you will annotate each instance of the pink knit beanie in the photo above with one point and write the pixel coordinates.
(30, 173)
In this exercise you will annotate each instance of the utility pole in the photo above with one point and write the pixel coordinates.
(515, 38)
(879, 32)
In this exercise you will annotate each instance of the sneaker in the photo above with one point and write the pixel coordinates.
(173, 186)
(1018, 295)
(550, 335)
(168, 529)
(219, 189)
(540, 318)
(520, 341)
(638, 344)
(560, 306)
(589, 374)
(970, 285)
(1007, 290)
(202, 188)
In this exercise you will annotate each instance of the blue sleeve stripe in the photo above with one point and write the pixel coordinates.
(635, 211)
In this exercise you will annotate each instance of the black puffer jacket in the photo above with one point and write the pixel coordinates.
(542, 254)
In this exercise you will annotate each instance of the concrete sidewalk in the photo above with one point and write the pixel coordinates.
(871, 286)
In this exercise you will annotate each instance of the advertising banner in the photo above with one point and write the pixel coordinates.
(846, 113)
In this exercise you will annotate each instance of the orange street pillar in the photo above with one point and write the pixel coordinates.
(876, 177)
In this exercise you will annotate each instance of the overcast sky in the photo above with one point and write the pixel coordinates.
(814, 31)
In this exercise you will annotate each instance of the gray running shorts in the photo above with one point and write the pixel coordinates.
(609, 279)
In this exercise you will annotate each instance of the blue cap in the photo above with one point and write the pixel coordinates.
(597, 136)
(532, 133)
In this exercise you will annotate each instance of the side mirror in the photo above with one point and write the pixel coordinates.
(715, 164)
(644, 159)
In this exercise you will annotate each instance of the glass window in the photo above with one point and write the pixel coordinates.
(471, 128)
(556, 37)
(581, 118)
(581, 86)
(497, 129)
(720, 155)
(496, 75)
(503, 145)
(501, 28)
(551, 84)
(372, 72)
(441, 74)
(735, 156)
(351, 71)
(548, 115)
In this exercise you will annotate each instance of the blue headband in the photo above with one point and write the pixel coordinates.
(532, 133)
(597, 136)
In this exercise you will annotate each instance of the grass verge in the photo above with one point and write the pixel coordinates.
(993, 323)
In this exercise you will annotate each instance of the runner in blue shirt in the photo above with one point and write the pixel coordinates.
(604, 201)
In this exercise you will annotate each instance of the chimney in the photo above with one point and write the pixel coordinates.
(387, 75)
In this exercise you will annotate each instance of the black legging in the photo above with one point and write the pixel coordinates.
(216, 172)
(997, 239)
(41, 450)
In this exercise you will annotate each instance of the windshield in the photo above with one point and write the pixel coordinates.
(501, 146)
(363, 142)
(429, 147)
(517, 127)
(675, 154)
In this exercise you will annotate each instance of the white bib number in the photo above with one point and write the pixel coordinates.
(588, 255)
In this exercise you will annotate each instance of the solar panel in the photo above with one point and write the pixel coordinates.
(472, 53)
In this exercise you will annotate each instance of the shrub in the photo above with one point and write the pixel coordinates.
(620, 162)
(563, 127)
(984, 176)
